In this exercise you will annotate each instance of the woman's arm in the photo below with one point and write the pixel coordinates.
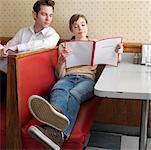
(64, 52)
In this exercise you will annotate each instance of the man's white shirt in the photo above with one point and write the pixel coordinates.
(26, 39)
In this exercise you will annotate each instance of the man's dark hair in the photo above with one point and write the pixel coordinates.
(37, 5)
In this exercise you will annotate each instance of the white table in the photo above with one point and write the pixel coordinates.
(128, 81)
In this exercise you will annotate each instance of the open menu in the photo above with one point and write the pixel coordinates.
(93, 52)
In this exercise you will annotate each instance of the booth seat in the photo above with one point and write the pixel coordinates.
(33, 73)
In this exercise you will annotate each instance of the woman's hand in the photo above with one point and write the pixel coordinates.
(119, 50)
(64, 54)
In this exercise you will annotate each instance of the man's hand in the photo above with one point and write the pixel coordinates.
(4, 51)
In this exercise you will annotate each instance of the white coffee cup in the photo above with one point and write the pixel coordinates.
(148, 60)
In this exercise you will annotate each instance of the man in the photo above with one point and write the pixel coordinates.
(39, 35)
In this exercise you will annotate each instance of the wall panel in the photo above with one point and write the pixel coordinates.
(128, 18)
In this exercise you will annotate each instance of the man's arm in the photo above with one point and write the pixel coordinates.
(47, 42)
(24, 41)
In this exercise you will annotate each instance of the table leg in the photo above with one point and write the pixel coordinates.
(143, 127)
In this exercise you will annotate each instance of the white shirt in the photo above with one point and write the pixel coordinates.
(26, 39)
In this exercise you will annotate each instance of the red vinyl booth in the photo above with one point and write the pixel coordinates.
(33, 73)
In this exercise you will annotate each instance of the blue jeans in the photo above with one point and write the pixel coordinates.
(68, 93)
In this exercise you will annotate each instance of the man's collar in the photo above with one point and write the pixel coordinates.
(32, 29)
(43, 31)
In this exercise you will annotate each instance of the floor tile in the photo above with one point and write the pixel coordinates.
(105, 140)
(132, 143)
(149, 144)
(95, 148)
(129, 143)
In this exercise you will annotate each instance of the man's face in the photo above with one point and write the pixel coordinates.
(44, 16)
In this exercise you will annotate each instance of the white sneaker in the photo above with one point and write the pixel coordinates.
(45, 113)
(49, 136)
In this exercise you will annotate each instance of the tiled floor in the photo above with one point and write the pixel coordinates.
(131, 143)
(126, 142)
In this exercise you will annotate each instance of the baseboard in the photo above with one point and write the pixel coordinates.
(119, 129)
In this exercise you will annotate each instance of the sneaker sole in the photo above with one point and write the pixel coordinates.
(46, 114)
(37, 134)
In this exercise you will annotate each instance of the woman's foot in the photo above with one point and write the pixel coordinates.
(49, 136)
(45, 113)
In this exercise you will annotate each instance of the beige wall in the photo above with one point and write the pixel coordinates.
(128, 18)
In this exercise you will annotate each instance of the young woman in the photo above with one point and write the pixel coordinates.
(75, 86)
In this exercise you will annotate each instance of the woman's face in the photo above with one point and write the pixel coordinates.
(79, 28)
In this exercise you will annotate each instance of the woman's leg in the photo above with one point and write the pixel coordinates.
(80, 93)
(60, 94)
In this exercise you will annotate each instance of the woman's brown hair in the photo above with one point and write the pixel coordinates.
(74, 18)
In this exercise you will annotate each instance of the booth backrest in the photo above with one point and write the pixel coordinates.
(43, 62)
(34, 73)
(41, 66)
